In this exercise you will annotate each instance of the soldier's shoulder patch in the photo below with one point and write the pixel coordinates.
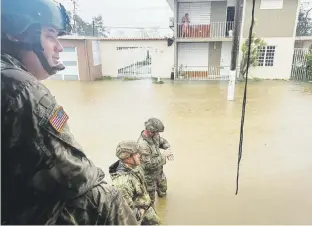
(59, 119)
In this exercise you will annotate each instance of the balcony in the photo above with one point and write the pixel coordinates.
(215, 31)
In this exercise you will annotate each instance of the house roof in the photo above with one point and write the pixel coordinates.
(76, 37)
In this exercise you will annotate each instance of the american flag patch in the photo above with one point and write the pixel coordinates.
(59, 119)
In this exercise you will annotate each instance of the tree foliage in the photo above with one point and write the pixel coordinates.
(83, 28)
(256, 44)
(304, 26)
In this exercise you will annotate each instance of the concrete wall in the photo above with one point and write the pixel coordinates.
(218, 11)
(161, 54)
(87, 70)
(303, 44)
(214, 54)
(271, 22)
(282, 61)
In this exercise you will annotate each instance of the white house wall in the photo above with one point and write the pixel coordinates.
(231, 2)
(282, 61)
(162, 56)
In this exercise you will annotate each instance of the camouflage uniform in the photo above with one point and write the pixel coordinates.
(153, 161)
(46, 177)
(131, 183)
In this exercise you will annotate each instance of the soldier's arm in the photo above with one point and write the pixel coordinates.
(120, 212)
(163, 143)
(62, 167)
(148, 161)
(126, 189)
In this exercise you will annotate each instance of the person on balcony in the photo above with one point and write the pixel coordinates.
(185, 25)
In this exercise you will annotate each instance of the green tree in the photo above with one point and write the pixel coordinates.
(304, 26)
(309, 65)
(256, 44)
(84, 28)
(99, 29)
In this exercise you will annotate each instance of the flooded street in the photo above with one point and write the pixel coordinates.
(275, 185)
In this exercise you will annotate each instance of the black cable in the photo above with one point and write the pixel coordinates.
(240, 148)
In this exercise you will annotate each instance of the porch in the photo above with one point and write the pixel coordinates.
(203, 73)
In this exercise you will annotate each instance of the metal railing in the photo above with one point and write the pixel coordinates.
(203, 72)
(299, 65)
(212, 30)
(142, 69)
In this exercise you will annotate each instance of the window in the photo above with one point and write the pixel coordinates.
(69, 49)
(271, 4)
(266, 56)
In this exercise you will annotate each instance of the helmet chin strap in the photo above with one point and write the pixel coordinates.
(45, 64)
(38, 50)
(33, 43)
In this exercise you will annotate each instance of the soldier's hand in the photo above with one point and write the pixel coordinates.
(167, 153)
(170, 157)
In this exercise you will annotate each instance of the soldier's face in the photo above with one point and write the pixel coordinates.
(152, 134)
(51, 45)
(137, 159)
(52, 49)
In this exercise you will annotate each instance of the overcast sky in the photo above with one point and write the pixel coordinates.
(134, 13)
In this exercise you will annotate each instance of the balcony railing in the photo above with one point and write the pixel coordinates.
(212, 30)
(203, 72)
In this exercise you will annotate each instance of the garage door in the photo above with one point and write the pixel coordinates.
(70, 59)
(199, 12)
(193, 55)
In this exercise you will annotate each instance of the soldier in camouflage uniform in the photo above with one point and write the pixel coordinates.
(152, 159)
(46, 177)
(128, 176)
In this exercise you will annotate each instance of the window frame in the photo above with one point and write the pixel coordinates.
(266, 56)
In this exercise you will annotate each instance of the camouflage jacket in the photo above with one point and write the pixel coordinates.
(42, 166)
(131, 183)
(151, 157)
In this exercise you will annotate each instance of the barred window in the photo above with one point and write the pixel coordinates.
(266, 56)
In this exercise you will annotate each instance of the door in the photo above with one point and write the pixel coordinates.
(193, 56)
(230, 16)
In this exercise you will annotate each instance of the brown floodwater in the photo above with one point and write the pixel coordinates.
(275, 185)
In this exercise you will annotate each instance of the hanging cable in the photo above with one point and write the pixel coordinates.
(240, 148)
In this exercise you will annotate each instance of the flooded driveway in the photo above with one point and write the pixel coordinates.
(275, 185)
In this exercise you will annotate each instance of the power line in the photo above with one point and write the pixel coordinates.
(155, 28)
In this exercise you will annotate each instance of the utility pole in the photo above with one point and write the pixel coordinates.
(93, 26)
(235, 48)
(74, 15)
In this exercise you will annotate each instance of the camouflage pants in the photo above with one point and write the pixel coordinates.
(158, 183)
(151, 217)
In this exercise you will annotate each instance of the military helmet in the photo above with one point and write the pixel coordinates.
(126, 148)
(18, 16)
(154, 125)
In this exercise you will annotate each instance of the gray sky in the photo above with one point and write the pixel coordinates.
(134, 13)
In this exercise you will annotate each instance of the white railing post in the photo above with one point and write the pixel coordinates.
(231, 86)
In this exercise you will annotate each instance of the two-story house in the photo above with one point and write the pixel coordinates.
(203, 32)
